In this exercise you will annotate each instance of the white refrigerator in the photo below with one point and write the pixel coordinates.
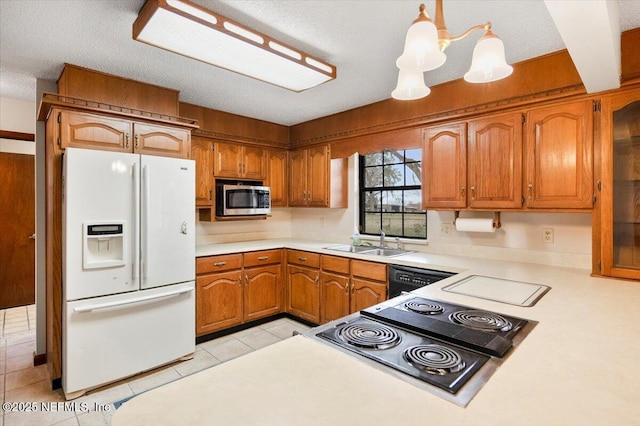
(128, 265)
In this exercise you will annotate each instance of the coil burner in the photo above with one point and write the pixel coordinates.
(424, 307)
(434, 359)
(481, 320)
(370, 335)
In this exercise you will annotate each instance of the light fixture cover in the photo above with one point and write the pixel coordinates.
(488, 63)
(188, 29)
(421, 50)
(410, 86)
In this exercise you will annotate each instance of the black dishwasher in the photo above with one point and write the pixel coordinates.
(407, 278)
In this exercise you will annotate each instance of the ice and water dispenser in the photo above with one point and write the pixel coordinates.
(103, 245)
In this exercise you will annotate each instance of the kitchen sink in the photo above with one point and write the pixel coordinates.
(351, 249)
(369, 250)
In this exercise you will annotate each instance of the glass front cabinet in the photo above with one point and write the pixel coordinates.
(617, 225)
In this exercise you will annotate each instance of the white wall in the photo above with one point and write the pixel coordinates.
(519, 238)
(17, 115)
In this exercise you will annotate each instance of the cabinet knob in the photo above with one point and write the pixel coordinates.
(136, 137)
(126, 140)
(473, 192)
(462, 189)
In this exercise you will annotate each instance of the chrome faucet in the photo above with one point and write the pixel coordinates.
(382, 235)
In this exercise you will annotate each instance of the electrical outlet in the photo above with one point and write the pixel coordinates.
(547, 235)
(445, 229)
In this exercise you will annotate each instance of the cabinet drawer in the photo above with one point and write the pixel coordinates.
(223, 262)
(371, 270)
(335, 264)
(303, 258)
(264, 257)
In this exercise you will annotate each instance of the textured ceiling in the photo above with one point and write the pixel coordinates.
(361, 38)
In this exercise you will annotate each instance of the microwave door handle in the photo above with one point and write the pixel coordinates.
(135, 226)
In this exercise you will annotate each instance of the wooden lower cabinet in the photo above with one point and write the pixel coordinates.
(334, 301)
(218, 301)
(365, 293)
(262, 291)
(236, 288)
(303, 295)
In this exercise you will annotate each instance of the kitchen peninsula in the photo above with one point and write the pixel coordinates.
(578, 366)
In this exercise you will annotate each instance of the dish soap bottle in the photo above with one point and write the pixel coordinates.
(356, 238)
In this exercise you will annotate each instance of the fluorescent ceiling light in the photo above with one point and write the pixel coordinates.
(193, 31)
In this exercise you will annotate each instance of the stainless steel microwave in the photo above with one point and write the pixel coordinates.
(242, 199)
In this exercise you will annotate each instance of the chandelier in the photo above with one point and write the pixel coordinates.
(424, 51)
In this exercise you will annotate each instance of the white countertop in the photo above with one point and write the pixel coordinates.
(578, 366)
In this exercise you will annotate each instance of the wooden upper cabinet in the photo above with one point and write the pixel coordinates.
(95, 131)
(444, 159)
(298, 177)
(238, 161)
(81, 130)
(318, 163)
(154, 139)
(202, 153)
(277, 177)
(494, 162)
(559, 156)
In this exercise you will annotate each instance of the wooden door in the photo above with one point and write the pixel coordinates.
(254, 163)
(262, 292)
(202, 153)
(334, 296)
(80, 130)
(559, 156)
(303, 296)
(444, 159)
(298, 178)
(166, 141)
(227, 159)
(218, 301)
(366, 293)
(318, 176)
(17, 244)
(494, 162)
(277, 173)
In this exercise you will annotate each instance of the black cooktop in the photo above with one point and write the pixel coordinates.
(431, 360)
(483, 331)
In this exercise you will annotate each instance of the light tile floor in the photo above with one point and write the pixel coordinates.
(21, 382)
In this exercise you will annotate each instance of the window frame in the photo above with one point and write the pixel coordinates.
(362, 190)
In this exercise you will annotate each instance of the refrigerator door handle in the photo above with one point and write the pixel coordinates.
(145, 221)
(89, 308)
(135, 222)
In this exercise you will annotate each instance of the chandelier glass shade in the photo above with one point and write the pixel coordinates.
(424, 51)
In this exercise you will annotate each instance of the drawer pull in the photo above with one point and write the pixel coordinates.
(263, 258)
(219, 263)
(302, 259)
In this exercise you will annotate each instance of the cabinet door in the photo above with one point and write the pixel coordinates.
(334, 299)
(303, 297)
(165, 141)
(218, 301)
(318, 176)
(227, 160)
(278, 177)
(94, 132)
(262, 291)
(298, 178)
(617, 227)
(254, 163)
(494, 162)
(366, 293)
(202, 153)
(444, 158)
(559, 156)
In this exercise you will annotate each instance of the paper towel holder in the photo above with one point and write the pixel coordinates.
(496, 219)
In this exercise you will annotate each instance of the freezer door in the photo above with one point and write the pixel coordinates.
(168, 220)
(112, 337)
(99, 223)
